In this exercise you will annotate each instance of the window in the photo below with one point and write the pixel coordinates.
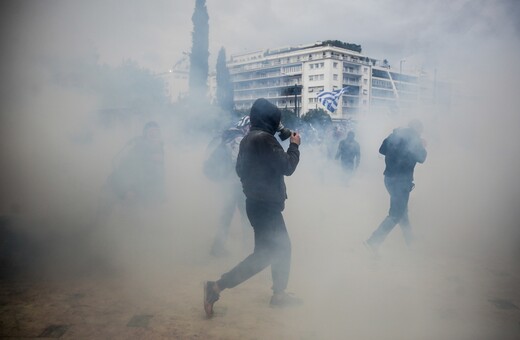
(381, 83)
(335, 65)
(335, 77)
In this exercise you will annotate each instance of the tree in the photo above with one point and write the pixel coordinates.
(318, 118)
(338, 43)
(199, 51)
(290, 120)
(225, 94)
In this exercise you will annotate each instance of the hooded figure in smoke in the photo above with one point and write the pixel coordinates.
(402, 149)
(349, 153)
(138, 174)
(261, 165)
(232, 194)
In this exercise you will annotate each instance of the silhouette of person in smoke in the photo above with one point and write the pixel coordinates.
(349, 153)
(402, 149)
(138, 174)
(261, 165)
(233, 195)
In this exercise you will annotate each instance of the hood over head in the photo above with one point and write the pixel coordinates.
(265, 116)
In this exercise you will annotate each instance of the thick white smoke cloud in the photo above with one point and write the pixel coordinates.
(463, 209)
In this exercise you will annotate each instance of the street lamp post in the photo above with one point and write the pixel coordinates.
(295, 90)
(401, 65)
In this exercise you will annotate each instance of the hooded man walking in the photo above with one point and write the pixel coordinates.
(261, 165)
(402, 149)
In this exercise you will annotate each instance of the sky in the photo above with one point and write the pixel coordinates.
(157, 33)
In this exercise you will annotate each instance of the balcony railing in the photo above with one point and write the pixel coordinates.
(351, 82)
(265, 76)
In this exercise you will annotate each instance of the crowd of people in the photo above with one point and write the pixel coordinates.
(262, 164)
(249, 162)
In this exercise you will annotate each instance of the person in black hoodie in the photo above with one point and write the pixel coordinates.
(138, 175)
(402, 149)
(349, 153)
(261, 165)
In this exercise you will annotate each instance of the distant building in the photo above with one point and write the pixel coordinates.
(177, 79)
(291, 77)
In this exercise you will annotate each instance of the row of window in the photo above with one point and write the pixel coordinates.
(260, 84)
(381, 83)
(315, 88)
(292, 69)
(294, 59)
(353, 81)
(316, 65)
(349, 69)
(383, 93)
(345, 102)
(316, 77)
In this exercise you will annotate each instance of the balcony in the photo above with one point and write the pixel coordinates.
(271, 75)
(351, 72)
(351, 82)
(276, 64)
(266, 86)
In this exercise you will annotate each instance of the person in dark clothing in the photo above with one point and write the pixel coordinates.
(232, 194)
(402, 149)
(138, 174)
(135, 184)
(261, 165)
(349, 153)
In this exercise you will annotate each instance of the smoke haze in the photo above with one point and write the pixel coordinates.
(57, 154)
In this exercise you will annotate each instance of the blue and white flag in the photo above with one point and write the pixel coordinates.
(329, 99)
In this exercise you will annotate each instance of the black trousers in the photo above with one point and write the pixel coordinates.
(399, 189)
(272, 247)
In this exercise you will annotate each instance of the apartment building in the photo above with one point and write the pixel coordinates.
(291, 77)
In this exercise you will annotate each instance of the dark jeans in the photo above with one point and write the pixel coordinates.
(399, 189)
(272, 247)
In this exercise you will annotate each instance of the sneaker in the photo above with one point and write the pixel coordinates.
(210, 297)
(284, 300)
(372, 250)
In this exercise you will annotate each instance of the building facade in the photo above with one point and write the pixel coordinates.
(292, 77)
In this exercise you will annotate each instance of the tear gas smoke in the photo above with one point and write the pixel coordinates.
(57, 156)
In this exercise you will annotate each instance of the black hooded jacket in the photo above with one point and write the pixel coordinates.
(262, 162)
(402, 150)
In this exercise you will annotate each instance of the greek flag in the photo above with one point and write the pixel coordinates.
(329, 99)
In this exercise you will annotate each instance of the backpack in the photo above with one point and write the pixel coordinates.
(219, 164)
